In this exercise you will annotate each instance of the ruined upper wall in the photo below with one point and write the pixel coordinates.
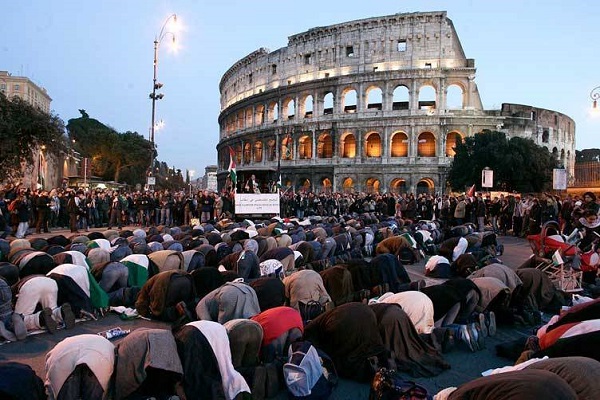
(395, 42)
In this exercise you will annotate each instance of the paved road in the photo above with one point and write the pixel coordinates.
(465, 365)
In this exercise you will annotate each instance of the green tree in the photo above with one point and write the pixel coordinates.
(24, 129)
(121, 157)
(518, 164)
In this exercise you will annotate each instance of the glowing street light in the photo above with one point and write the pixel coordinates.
(169, 27)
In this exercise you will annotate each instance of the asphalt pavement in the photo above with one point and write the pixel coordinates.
(465, 365)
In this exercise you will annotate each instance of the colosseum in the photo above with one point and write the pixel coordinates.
(375, 104)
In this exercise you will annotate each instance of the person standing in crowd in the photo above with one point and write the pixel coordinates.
(74, 211)
(116, 211)
(206, 206)
(43, 209)
(103, 205)
(23, 213)
(54, 211)
(460, 210)
(166, 203)
(252, 185)
(480, 213)
(218, 207)
(142, 204)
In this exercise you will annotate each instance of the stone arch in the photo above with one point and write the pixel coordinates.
(451, 140)
(372, 185)
(238, 154)
(247, 153)
(304, 184)
(273, 111)
(374, 97)
(562, 158)
(305, 147)
(240, 118)
(373, 144)
(427, 98)
(249, 114)
(545, 136)
(398, 186)
(328, 103)
(325, 146)
(260, 114)
(348, 145)
(401, 98)
(271, 150)
(426, 145)
(308, 106)
(349, 100)
(287, 148)
(455, 97)
(326, 185)
(258, 151)
(399, 144)
(348, 185)
(289, 108)
(555, 153)
(425, 186)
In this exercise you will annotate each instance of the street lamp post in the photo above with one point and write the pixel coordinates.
(191, 173)
(595, 95)
(155, 84)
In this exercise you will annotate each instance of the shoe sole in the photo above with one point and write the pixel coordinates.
(491, 323)
(67, 316)
(465, 336)
(482, 325)
(49, 323)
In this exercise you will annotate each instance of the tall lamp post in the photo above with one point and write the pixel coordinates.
(595, 95)
(155, 84)
(191, 173)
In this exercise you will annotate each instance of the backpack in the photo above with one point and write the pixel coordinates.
(309, 373)
(389, 385)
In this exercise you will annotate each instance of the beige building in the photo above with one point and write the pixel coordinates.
(375, 104)
(21, 86)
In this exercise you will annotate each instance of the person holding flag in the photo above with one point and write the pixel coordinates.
(232, 170)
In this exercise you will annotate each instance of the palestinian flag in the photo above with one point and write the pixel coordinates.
(231, 169)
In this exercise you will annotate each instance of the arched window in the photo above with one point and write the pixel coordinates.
(328, 103)
(326, 185)
(290, 109)
(399, 145)
(373, 144)
(398, 186)
(348, 185)
(308, 107)
(425, 186)
(349, 102)
(287, 148)
(372, 185)
(304, 184)
(325, 146)
(247, 153)
(349, 146)
(545, 136)
(427, 98)
(238, 154)
(271, 150)
(555, 153)
(426, 147)
(454, 98)
(273, 112)
(374, 99)
(240, 120)
(260, 114)
(563, 161)
(258, 152)
(248, 117)
(401, 98)
(305, 147)
(451, 140)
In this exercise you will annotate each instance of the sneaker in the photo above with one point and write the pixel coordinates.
(67, 315)
(482, 324)
(464, 335)
(47, 321)
(19, 326)
(491, 323)
(477, 335)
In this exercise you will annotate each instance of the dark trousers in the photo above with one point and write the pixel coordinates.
(73, 222)
(81, 384)
(42, 221)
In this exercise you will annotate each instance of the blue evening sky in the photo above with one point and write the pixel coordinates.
(97, 55)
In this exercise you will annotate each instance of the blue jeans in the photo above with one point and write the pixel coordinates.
(165, 216)
(114, 277)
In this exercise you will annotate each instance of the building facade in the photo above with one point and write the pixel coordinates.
(370, 105)
(23, 87)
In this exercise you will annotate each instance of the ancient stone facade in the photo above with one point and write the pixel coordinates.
(370, 105)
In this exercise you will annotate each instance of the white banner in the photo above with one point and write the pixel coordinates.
(246, 203)
(559, 179)
(151, 180)
(487, 178)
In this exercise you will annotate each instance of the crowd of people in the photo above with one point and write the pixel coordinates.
(239, 293)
